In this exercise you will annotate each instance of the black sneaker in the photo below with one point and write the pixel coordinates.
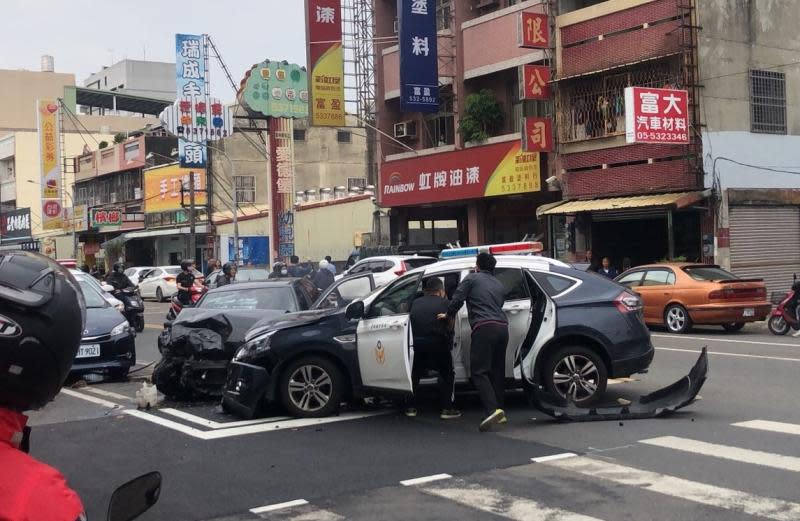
(450, 414)
(496, 417)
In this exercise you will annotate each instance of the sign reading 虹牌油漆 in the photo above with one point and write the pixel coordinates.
(419, 63)
(656, 115)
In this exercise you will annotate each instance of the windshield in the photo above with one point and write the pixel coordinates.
(709, 273)
(344, 293)
(418, 262)
(280, 299)
(91, 282)
(252, 275)
(92, 297)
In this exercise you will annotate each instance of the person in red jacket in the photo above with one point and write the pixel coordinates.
(42, 315)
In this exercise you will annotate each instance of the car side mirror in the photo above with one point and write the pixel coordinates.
(135, 497)
(355, 310)
(107, 287)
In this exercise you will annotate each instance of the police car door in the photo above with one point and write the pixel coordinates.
(518, 312)
(384, 339)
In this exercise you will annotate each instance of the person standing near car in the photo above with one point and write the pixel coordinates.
(607, 270)
(485, 296)
(331, 265)
(228, 275)
(323, 277)
(432, 342)
(185, 281)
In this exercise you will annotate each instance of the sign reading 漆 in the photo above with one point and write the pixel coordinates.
(497, 169)
(15, 225)
(49, 154)
(533, 31)
(656, 115)
(101, 218)
(325, 62)
(534, 82)
(537, 135)
(419, 63)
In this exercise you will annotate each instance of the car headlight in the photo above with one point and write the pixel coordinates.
(255, 346)
(120, 328)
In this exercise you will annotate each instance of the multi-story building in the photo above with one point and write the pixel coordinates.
(148, 79)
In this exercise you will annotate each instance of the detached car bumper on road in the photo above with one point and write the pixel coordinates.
(246, 385)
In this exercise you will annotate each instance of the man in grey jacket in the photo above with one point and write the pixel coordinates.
(485, 295)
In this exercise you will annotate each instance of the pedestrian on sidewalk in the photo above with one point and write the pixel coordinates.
(589, 259)
(485, 296)
(607, 270)
(331, 265)
(432, 344)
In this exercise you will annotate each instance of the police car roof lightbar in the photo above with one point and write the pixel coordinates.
(511, 248)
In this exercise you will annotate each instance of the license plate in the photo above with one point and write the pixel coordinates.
(749, 312)
(88, 350)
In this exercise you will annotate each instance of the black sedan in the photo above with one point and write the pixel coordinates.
(108, 342)
(569, 332)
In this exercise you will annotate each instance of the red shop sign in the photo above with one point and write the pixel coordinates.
(538, 135)
(533, 31)
(534, 82)
(52, 208)
(656, 115)
(498, 169)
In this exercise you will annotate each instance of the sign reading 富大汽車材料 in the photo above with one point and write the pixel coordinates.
(656, 115)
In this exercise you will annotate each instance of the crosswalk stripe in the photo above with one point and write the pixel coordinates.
(753, 457)
(495, 502)
(765, 425)
(279, 506)
(694, 491)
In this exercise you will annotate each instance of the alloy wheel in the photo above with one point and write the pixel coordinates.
(676, 319)
(576, 377)
(310, 388)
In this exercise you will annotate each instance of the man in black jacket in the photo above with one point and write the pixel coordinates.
(485, 296)
(432, 342)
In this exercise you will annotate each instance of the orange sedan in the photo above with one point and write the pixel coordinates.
(678, 295)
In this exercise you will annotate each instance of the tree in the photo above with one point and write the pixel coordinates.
(102, 144)
(119, 137)
(483, 116)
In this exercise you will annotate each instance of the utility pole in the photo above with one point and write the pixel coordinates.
(192, 237)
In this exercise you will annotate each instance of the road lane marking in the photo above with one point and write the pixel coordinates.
(424, 479)
(717, 339)
(93, 399)
(109, 394)
(153, 326)
(684, 489)
(740, 355)
(498, 503)
(765, 425)
(175, 426)
(753, 457)
(211, 424)
(279, 506)
(554, 457)
(288, 424)
(625, 380)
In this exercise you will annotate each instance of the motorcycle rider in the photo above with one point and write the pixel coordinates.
(117, 277)
(228, 275)
(185, 281)
(42, 314)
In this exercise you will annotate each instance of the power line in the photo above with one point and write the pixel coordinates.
(748, 71)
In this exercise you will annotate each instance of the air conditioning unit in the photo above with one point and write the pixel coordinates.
(113, 197)
(405, 129)
(396, 26)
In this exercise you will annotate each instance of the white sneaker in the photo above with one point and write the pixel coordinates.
(796, 333)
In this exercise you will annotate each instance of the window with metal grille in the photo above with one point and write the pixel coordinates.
(444, 14)
(299, 134)
(595, 107)
(767, 102)
(245, 188)
(356, 182)
(440, 127)
(344, 136)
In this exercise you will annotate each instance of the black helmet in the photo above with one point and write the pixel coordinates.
(42, 315)
(226, 268)
(186, 264)
(119, 267)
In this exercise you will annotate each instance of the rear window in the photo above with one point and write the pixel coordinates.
(709, 273)
(553, 284)
(418, 263)
(259, 298)
(172, 271)
(130, 271)
(251, 275)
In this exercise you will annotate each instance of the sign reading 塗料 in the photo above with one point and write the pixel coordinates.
(419, 63)
(490, 170)
(325, 62)
(656, 115)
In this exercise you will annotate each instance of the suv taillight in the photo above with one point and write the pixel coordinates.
(628, 303)
(403, 269)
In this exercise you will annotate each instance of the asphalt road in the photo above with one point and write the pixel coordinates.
(734, 455)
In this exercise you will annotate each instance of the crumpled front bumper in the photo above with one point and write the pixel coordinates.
(245, 385)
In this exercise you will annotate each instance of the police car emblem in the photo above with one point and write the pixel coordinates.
(380, 354)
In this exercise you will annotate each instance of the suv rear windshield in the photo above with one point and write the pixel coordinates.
(418, 263)
(709, 273)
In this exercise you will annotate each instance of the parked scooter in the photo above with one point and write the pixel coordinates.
(134, 306)
(784, 317)
(175, 305)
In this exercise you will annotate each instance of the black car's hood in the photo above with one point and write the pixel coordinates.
(241, 320)
(299, 318)
(100, 321)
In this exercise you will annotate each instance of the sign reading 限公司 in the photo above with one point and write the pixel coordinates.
(419, 63)
(497, 169)
(49, 154)
(325, 62)
(534, 82)
(656, 115)
(533, 31)
(15, 225)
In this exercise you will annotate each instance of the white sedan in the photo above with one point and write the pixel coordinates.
(159, 283)
(136, 274)
(386, 268)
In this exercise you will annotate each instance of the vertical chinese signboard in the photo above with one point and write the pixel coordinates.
(533, 31)
(419, 64)
(325, 62)
(49, 154)
(537, 135)
(656, 116)
(534, 82)
(282, 185)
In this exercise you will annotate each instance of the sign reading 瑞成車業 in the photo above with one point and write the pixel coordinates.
(275, 89)
(325, 62)
(419, 63)
(162, 188)
(15, 225)
(656, 115)
(490, 170)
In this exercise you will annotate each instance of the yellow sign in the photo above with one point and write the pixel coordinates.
(327, 89)
(518, 172)
(162, 188)
(46, 111)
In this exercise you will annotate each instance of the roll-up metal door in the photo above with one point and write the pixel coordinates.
(765, 243)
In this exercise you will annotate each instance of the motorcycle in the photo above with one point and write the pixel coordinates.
(134, 306)
(175, 305)
(784, 317)
(194, 357)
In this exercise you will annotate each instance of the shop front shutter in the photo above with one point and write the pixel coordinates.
(765, 243)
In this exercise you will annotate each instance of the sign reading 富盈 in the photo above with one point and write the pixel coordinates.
(419, 63)
(656, 115)
(325, 62)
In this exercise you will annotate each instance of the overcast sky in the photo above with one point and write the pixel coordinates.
(84, 35)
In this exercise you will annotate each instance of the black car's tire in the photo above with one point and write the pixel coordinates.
(577, 373)
(167, 378)
(677, 319)
(778, 326)
(159, 295)
(733, 326)
(311, 387)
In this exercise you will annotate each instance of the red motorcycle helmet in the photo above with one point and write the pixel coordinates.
(42, 316)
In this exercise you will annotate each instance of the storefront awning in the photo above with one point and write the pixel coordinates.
(144, 234)
(672, 200)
